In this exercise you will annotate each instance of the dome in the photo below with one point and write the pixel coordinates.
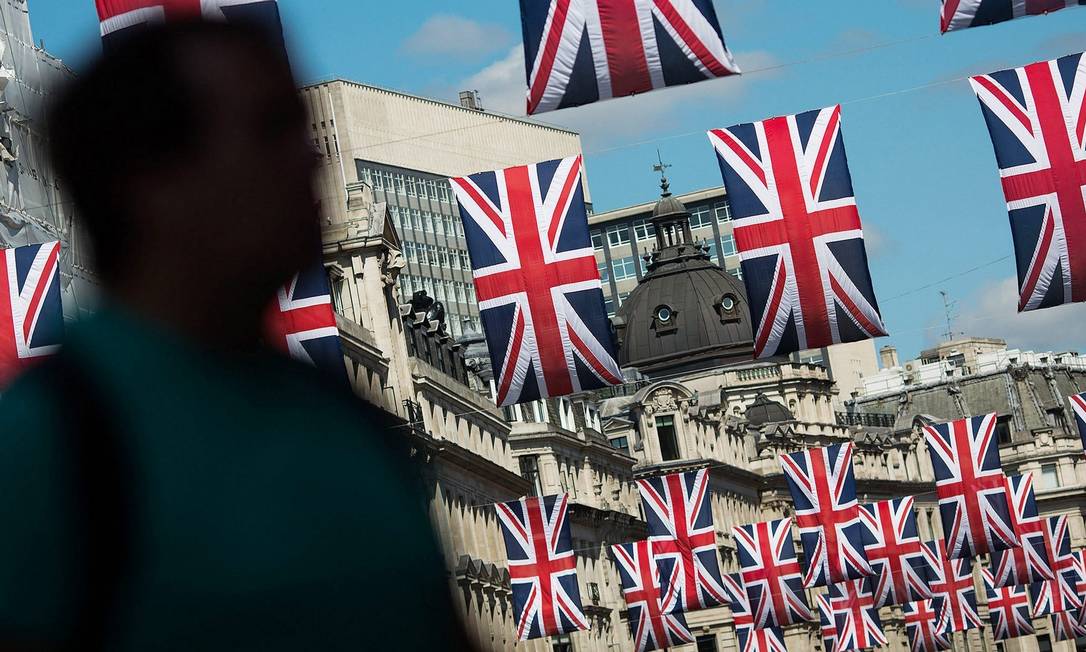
(763, 411)
(686, 313)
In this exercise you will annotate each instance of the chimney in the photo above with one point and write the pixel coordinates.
(888, 357)
(471, 100)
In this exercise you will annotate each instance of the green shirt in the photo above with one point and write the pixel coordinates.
(270, 513)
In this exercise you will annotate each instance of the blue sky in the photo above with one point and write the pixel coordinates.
(922, 164)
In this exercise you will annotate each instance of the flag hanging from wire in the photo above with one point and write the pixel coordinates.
(582, 51)
(31, 313)
(962, 14)
(651, 628)
(118, 17)
(924, 626)
(798, 232)
(953, 591)
(536, 278)
(771, 573)
(855, 616)
(1060, 593)
(1008, 609)
(893, 547)
(542, 566)
(1078, 405)
(1028, 563)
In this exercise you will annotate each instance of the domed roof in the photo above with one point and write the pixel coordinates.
(686, 313)
(763, 411)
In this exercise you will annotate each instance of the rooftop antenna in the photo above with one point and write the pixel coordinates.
(948, 310)
(661, 167)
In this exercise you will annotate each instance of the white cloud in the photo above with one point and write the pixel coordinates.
(446, 35)
(502, 88)
(993, 312)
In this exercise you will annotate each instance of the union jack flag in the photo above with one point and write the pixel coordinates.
(953, 591)
(650, 627)
(302, 323)
(119, 16)
(771, 573)
(855, 616)
(823, 488)
(751, 638)
(542, 566)
(892, 545)
(973, 500)
(924, 626)
(1035, 117)
(582, 51)
(30, 307)
(1008, 609)
(826, 622)
(960, 14)
(1078, 404)
(1061, 593)
(683, 539)
(539, 290)
(1029, 562)
(798, 232)
(1069, 625)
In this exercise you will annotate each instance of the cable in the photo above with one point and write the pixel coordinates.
(950, 278)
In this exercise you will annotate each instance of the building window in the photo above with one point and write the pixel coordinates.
(561, 644)
(737, 272)
(618, 235)
(609, 306)
(597, 240)
(1055, 418)
(529, 469)
(644, 230)
(443, 192)
(1050, 476)
(723, 211)
(624, 268)
(409, 251)
(594, 592)
(669, 442)
(411, 192)
(700, 217)
(604, 275)
(621, 443)
(644, 265)
(727, 244)
(707, 643)
(1003, 429)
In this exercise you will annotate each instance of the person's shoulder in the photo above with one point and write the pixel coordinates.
(30, 405)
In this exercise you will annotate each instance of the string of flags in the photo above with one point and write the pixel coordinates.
(867, 556)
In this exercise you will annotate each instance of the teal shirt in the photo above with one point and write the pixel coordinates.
(270, 513)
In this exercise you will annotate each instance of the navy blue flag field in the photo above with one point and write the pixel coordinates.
(973, 499)
(582, 51)
(1036, 116)
(539, 290)
(542, 566)
(823, 487)
(1078, 405)
(798, 232)
(650, 627)
(31, 314)
(680, 518)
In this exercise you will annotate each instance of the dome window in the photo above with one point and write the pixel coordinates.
(664, 314)
(664, 319)
(728, 303)
(728, 308)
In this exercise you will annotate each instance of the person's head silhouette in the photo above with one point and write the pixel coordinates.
(186, 152)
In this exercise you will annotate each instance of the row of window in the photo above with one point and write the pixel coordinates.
(425, 222)
(624, 268)
(407, 185)
(439, 288)
(430, 254)
(643, 229)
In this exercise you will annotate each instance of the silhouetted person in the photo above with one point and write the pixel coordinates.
(164, 483)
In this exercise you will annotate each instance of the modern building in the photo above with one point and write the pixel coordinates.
(404, 148)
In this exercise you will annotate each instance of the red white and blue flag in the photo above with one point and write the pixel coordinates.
(30, 308)
(771, 573)
(683, 539)
(1036, 117)
(1078, 405)
(1069, 625)
(855, 616)
(542, 566)
(1008, 609)
(826, 622)
(961, 14)
(893, 547)
(924, 626)
(1029, 562)
(650, 627)
(973, 500)
(954, 595)
(301, 322)
(823, 487)
(798, 232)
(119, 16)
(1062, 592)
(583, 51)
(751, 638)
(540, 297)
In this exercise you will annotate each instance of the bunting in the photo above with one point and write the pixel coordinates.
(892, 545)
(771, 573)
(31, 314)
(1008, 609)
(1029, 562)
